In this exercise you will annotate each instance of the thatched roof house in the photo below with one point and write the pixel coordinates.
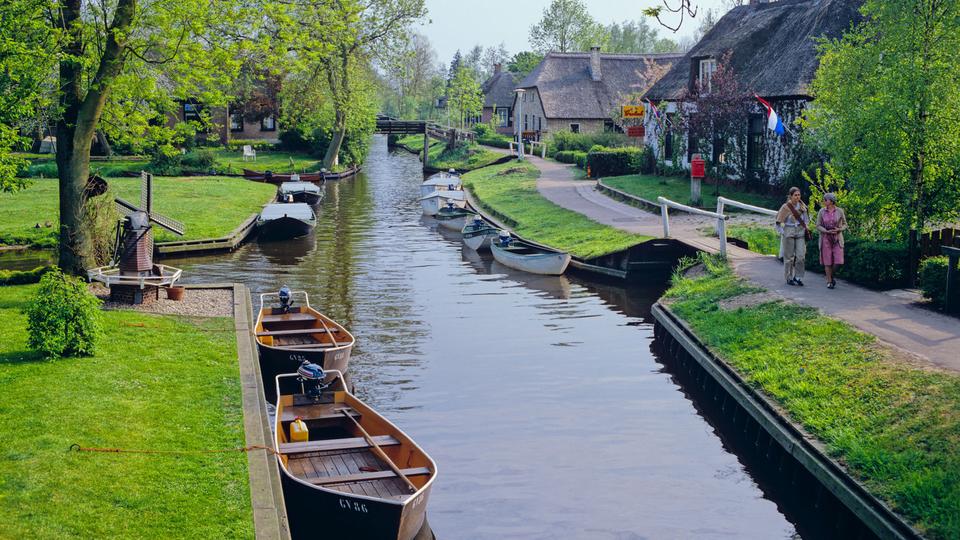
(580, 91)
(498, 98)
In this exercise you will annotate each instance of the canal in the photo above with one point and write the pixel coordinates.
(539, 397)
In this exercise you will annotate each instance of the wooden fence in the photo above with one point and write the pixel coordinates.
(930, 243)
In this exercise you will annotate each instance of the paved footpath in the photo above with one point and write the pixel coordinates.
(891, 316)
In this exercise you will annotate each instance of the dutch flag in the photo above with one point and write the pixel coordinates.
(773, 121)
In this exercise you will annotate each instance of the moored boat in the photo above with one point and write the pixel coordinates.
(477, 234)
(442, 181)
(286, 220)
(453, 217)
(301, 192)
(529, 257)
(347, 472)
(436, 200)
(277, 178)
(289, 334)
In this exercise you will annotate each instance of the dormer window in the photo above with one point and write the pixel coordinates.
(708, 66)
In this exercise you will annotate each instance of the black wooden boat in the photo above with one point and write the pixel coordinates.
(289, 334)
(277, 178)
(353, 474)
(286, 220)
(301, 192)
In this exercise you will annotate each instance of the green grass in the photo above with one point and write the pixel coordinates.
(464, 158)
(678, 189)
(47, 167)
(267, 160)
(894, 427)
(760, 239)
(510, 192)
(157, 382)
(210, 207)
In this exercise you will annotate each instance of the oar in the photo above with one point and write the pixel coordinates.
(379, 451)
(333, 339)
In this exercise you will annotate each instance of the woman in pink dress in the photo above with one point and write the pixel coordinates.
(831, 222)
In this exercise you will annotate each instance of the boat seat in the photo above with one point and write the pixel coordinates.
(289, 317)
(360, 477)
(348, 443)
(311, 346)
(309, 413)
(300, 331)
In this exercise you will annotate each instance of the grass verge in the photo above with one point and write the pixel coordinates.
(509, 191)
(678, 189)
(759, 239)
(894, 426)
(210, 207)
(162, 383)
(464, 158)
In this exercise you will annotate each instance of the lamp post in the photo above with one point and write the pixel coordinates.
(520, 93)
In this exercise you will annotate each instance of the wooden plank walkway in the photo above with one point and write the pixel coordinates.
(224, 243)
(891, 316)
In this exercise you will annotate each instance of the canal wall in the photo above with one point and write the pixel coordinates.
(806, 476)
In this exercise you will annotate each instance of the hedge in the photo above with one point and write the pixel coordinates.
(933, 279)
(605, 161)
(876, 265)
(566, 156)
(257, 144)
(495, 141)
(23, 277)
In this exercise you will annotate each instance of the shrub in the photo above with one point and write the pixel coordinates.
(294, 140)
(877, 265)
(165, 164)
(617, 161)
(236, 145)
(199, 160)
(495, 140)
(580, 158)
(583, 142)
(565, 156)
(23, 277)
(933, 279)
(64, 318)
(483, 130)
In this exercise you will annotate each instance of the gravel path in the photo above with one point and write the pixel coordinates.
(195, 303)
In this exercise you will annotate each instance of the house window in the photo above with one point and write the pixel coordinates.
(539, 123)
(191, 112)
(757, 124)
(268, 123)
(503, 115)
(525, 128)
(236, 120)
(708, 66)
(574, 128)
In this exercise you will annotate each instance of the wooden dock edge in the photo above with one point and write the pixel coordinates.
(224, 243)
(876, 515)
(266, 492)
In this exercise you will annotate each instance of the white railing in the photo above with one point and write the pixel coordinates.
(666, 204)
(533, 145)
(723, 201)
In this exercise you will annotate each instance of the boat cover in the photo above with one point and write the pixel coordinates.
(452, 195)
(301, 211)
(442, 179)
(297, 187)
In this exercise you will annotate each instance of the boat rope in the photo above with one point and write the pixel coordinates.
(76, 447)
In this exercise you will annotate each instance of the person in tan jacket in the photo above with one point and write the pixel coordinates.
(831, 222)
(792, 223)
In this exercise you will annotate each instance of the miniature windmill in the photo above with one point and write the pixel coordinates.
(132, 272)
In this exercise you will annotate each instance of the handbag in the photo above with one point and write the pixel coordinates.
(807, 235)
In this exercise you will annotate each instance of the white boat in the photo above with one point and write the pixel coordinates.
(527, 257)
(453, 217)
(442, 181)
(478, 234)
(436, 200)
(286, 220)
(301, 192)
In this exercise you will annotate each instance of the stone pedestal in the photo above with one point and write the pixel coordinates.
(133, 294)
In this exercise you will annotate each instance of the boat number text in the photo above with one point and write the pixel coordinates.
(297, 357)
(353, 505)
(417, 501)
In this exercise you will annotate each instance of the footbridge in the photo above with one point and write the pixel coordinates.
(453, 136)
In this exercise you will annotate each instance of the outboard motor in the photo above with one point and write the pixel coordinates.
(452, 171)
(295, 177)
(268, 176)
(450, 205)
(285, 301)
(311, 378)
(504, 238)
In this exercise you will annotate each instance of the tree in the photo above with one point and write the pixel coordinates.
(348, 32)
(886, 110)
(464, 95)
(524, 62)
(636, 37)
(409, 72)
(491, 56)
(565, 24)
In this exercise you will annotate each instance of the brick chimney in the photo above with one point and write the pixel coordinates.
(497, 68)
(595, 73)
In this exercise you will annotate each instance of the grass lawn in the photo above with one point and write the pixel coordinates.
(267, 160)
(760, 239)
(678, 190)
(163, 383)
(895, 427)
(509, 191)
(209, 206)
(464, 158)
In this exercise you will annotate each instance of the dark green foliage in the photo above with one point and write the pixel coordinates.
(495, 140)
(201, 160)
(618, 161)
(236, 145)
(23, 277)
(294, 140)
(877, 265)
(565, 156)
(580, 158)
(933, 279)
(583, 142)
(64, 318)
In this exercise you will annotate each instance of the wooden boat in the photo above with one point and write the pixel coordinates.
(453, 217)
(436, 200)
(357, 475)
(286, 220)
(529, 257)
(289, 334)
(301, 192)
(442, 181)
(275, 178)
(477, 234)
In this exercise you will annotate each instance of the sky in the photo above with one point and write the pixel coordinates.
(461, 24)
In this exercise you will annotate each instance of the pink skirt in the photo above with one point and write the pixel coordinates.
(831, 253)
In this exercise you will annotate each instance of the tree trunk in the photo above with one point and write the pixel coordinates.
(332, 157)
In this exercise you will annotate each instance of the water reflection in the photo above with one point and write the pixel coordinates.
(538, 396)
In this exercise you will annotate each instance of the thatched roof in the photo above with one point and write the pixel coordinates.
(567, 88)
(773, 46)
(498, 89)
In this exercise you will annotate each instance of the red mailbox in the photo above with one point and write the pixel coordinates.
(698, 167)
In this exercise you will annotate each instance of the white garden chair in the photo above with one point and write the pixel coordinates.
(248, 152)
